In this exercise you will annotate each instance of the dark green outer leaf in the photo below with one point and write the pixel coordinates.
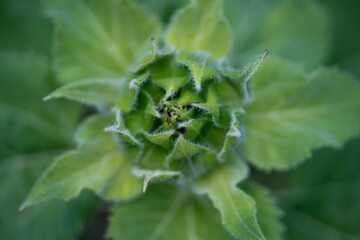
(32, 131)
(293, 29)
(268, 213)
(325, 203)
(27, 124)
(164, 8)
(54, 220)
(23, 26)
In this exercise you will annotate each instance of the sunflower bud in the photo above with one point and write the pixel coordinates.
(183, 112)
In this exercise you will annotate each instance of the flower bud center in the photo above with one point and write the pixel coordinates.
(171, 113)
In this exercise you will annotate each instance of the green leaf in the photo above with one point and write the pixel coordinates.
(293, 29)
(164, 8)
(320, 109)
(268, 213)
(25, 19)
(27, 124)
(167, 213)
(154, 157)
(242, 78)
(94, 38)
(171, 85)
(193, 127)
(325, 203)
(342, 53)
(185, 149)
(156, 175)
(128, 95)
(233, 97)
(237, 209)
(211, 105)
(120, 129)
(155, 54)
(200, 26)
(158, 138)
(188, 96)
(200, 66)
(99, 164)
(101, 93)
(151, 108)
(53, 220)
(32, 131)
(233, 134)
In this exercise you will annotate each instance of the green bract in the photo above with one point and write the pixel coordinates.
(173, 110)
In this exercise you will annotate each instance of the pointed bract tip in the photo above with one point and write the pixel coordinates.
(55, 94)
(23, 206)
(198, 87)
(265, 54)
(111, 128)
(48, 97)
(146, 182)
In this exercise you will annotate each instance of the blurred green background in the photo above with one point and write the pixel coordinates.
(320, 198)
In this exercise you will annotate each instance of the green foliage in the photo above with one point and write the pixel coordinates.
(200, 26)
(32, 132)
(237, 209)
(83, 91)
(53, 220)
(293, 29)
(179, 111)
(24, 27)
(150, 175)
(325, 202)
(103, 168)
(97, 37)
(166, 213)
(267, 212)
(200, 67)
(45, 128)
(321, 109)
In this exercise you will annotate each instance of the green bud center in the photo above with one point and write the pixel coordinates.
(171, 113)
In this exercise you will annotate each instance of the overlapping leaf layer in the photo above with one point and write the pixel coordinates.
(173, 110)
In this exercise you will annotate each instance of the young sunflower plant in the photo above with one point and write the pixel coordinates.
(177, 127)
